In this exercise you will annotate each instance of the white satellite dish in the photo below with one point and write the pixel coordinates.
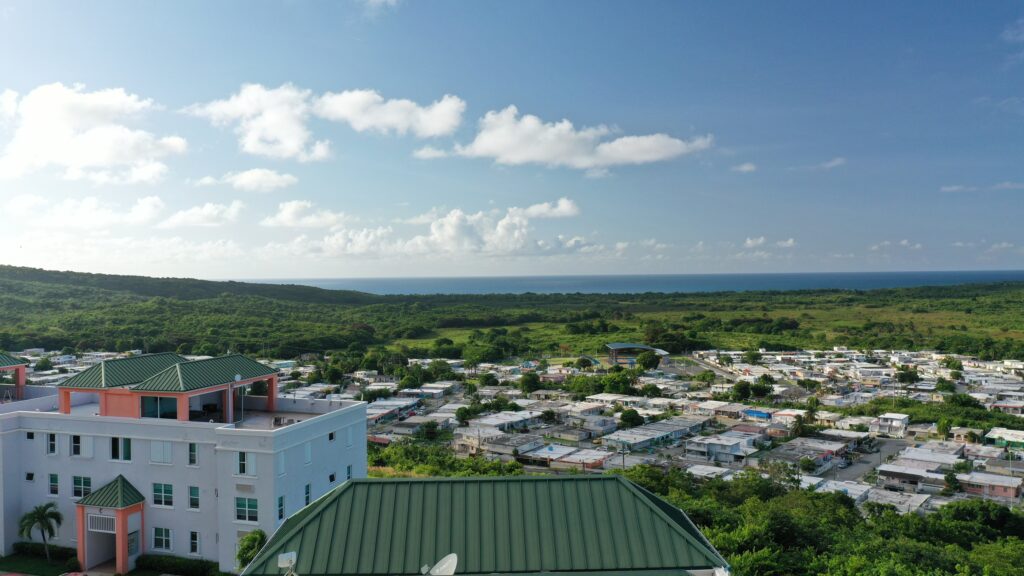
(238, 377)
(286, 560)
(446, 567)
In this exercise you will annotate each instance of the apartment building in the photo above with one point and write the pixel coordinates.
(155, 454)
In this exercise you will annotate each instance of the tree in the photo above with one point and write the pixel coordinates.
(907, 375)
(808, 465)
(630, 418)
(952, 484)
(463, 415)
(429, 430)
(43, 364)
(529, 382)
(741, 390)
(752, 357)
(46, 518)
(943, 428)
(706, 376)
(944, 385)
(583, 363)
(648, 360)
(488, 379)
(249, 546)
(725, 360)
(549, 416)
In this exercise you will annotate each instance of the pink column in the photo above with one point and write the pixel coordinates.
(183, 408)
(121, 541)
(64, 400)
(20, 379)
(80, 529)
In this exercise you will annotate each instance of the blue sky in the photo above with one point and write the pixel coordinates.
(410, 138)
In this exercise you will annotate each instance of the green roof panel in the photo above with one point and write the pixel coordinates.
(118, 493)
(122, 371)
(199, 374)
(579, 524)
(8, 360)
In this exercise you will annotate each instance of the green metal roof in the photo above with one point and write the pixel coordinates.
(578, 524)
(199, 374)
(122, 371)
(8, 360)
(627, 346)
(118, 493)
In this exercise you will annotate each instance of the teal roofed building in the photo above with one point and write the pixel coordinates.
(579, 525)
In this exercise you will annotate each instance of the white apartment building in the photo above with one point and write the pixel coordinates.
(158, 455)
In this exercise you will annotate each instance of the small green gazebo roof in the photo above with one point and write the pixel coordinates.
(118, 493)
(122, 371)
(8, 360)
(579, 525)
(199, 374)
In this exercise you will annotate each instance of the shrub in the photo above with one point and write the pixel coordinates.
(36, 549)
(72, 565)
(176, 565)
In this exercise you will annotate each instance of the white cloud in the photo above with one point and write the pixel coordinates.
(880, 246)
(429, 153)
(85, 134)
(1014, 33)
(563, 208)
(833, 163)
(254, 180)
(788, 243)
(513, 140)
(206, 215)
(90, 213)
(300, 214)
(745, 168)
(910, 245)
(269, 121)
(1009, 186)
(957, 188)
(999, 246)
(754, 242)
(367, 110)
(653, 244)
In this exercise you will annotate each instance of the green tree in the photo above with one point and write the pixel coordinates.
(630, 418)
(725, 360)
(549, 416)
(752, 357)
(741, 390)
(808, 465)
(583, 363)
(944, 385)
(249, 546)
(529, 382)
(488, 379)
(952, 484)
(463, 415)
(43, 364)
(45, 518)
(648, 360)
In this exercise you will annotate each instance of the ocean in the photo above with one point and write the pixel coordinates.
(635, 284)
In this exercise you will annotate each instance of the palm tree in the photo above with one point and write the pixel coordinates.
(46, 518)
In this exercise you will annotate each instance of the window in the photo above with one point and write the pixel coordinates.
(163, 495)
(246, 464)
(348, 472)
(76, 445)
(332, 477)
(133, 543)
(193, 542)
(246, 509)
(308, 449)
(121, 449)
(160, 452)
(81, 486)
(30, 435)
(280, 507)
(54, 485)
(161, 538)
(51, 443)
(280, 463)
(159, 407)
(193, 497)
(193, 454)
(330, 437)
(30, 476)
(307, 494)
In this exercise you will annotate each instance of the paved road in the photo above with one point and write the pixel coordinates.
(868, 462)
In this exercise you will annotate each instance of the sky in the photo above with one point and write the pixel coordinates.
(395, 138)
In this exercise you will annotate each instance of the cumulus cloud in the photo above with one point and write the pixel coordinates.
(754, 242)
(904, 244)
(429, 153)
(269, 122)
(787, 243)
(254, 180)
(1008, 185)
(85, 134)
(511, 139)
(206, 215)
(367, 110)
(1014, 33)
(745, 168)
(88, 213)
(832, 164)
(300, 214)
(999, 246)
(957, 188)
(563, 208)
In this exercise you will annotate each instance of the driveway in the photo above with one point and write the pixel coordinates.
(868, 462)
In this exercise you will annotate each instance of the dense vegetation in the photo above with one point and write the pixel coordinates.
(93, 311)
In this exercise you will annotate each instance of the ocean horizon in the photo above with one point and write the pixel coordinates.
(641, 283)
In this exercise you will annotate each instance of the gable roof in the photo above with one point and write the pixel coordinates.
(199, 374)
(118, 493)
(527, 524)
(122, 371)
(8, 360)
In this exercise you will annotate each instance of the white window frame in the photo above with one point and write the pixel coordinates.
(280, 507)
(76, 448)
(194, 540)
(245, 464)
(51, 481)
(121, 442)
(169, 538)
(308, 493)
(79, 489)
(197, 497)
(193, 454)
(163, 495)
(52, 448)
(254, 510)
(161, 452)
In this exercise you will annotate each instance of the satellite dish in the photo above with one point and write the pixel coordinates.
(238, 377)
(446, 567)
(286, 560)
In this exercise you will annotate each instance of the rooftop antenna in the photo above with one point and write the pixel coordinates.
(287, 560)
(446, 567)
